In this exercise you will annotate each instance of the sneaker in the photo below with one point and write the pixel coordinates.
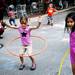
(51, 24)
(1, 37)
(15, 25)
(33, 67)
(1, 45)
(21, 67)
(48, 23)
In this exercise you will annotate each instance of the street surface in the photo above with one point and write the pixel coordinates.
(48, 61)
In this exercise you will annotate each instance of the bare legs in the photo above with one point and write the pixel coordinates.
(33, 67)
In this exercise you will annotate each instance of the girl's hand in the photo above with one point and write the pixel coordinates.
(39, 19)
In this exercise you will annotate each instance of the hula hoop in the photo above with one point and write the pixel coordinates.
(41, 50)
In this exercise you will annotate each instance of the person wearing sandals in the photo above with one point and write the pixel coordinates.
(25, 31)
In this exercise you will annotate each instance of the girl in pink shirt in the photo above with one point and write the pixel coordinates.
(25, 32)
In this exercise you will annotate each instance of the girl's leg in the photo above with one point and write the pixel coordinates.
(48, 20)
(10, 21)
(51, 21)
(14, 22)
(33, 63)
(22, 52)
(21, 59)
(22, 62)
(29, 52)
(73, 69)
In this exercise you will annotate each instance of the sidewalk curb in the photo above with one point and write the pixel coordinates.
(57, 11)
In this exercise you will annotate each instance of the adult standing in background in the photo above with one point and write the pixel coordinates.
(28, 6)
(2, 8)
(46, 4)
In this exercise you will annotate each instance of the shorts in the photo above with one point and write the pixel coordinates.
(26, 50)
(50, 18)
(12, 20)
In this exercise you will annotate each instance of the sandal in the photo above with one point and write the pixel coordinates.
(33, 67)
(21, 67)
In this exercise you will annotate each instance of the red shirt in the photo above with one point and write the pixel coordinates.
(50, 11)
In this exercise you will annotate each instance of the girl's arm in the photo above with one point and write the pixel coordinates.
(36, 27)
(39, 23)
(9, 26)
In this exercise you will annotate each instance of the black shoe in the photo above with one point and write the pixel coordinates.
(51, 24)
(21, 67)
(1, 45)
(33, 67)
(48, 23)
(1, 37)
(15, 25)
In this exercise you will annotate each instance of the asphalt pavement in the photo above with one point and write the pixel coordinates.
(49, 59)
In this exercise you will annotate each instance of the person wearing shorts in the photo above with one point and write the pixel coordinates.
(25, 33)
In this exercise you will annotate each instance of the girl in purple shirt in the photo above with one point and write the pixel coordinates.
(25, 32)
(70, 27)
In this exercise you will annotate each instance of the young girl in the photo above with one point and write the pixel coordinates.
(11, 15)
(24, 31)
(50, 12)
(70, 27)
